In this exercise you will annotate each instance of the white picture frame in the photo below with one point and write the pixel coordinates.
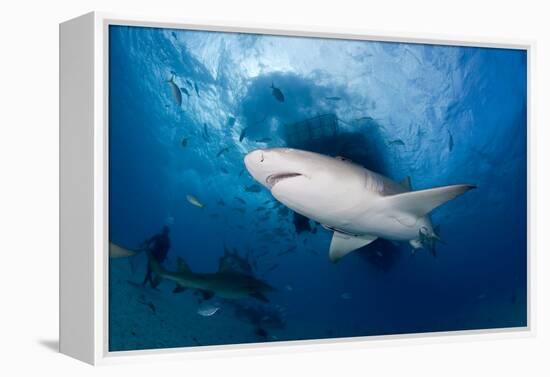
(84, 190)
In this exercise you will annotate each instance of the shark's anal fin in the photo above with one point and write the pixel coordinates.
(156, 281)
(206, 295)
(422, 202)
(343, 244)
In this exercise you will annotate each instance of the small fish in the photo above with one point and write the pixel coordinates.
(221, 202)
(346, 296)
(184, 91)
(333, 98)
(174, 35)
(231, 121)
(117, 251)
(289, 288)
(271, 268)
(214, 216)
(267, 202)
(175, 90)
(150, 305)
(193, 200)
(184, 142)
(451, 141)
(253, 188)
(240, 200)
(277, 93)
(224, 170)
(196, 89)
(241, 172)
(205, 135)
(379, 253)
(260, 208)
(188, 82)
(243, 134)
(207, 309)
(222, 151)
(239, 209)
(397, 142)
(197, 341)
(261, 332)
(262, 253)
(364, 118)
(287, 251)
(264, 140)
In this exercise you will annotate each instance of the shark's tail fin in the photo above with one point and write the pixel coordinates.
(422, 202)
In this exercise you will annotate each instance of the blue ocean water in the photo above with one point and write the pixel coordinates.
(438, 114)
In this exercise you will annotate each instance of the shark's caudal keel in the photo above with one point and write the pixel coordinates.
(357, 204)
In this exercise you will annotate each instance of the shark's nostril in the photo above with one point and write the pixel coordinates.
(261, 156)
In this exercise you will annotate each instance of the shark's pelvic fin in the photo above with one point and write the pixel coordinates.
(422, 202)
(343, 244)
(178, 289)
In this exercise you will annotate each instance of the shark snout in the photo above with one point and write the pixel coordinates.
(256, 166)
(253, 159)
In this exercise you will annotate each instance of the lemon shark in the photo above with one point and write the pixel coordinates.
(357, 204)
(226, 282)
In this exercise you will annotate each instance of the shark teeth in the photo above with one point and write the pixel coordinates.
(273, 179)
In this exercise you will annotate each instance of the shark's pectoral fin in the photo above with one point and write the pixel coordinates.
(343, 244)
(179, 289)
(259, 296)
(422, 202)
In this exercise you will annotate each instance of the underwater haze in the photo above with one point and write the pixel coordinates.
(185, 107)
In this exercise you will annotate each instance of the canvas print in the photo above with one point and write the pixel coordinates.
(269, 188)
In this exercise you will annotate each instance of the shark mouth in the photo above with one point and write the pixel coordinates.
(273, 179)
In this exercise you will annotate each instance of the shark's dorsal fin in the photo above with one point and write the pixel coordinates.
(182, 266)
(223, 265)
(343, 244)
(406, 183)
(422, 202)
